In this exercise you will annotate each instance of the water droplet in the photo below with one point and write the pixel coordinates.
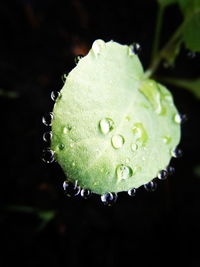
(191, 54)
(64, 77)
(72, 145)
(177, 118)
(151, 90)
(61, 146)
(47, 119)
(166, 139)
(85, 193)
(48, 155)
(123, 172)
(135, 48)
(140, 134)
(151, 186)
(55, 95)
(176, 153)
(163, 175)
(47, 136)
(134, 147)
(106, 125)
(109, 199)
(170, 170)
(71, 189)
(184, 118)
(98, 46)
(132, 192)
(117, 141)
(77, 58)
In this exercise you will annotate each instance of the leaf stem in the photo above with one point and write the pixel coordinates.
(156, 61)
(159, 21)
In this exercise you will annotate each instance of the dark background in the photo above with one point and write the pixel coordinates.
(39, 225)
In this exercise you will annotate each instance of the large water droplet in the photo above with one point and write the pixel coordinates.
(162, 175)
(123, 172)
(47, 136)
(177, 118)
(71, 189)
(55, 95)
(176, 153)
(135, 49)
(106, 125)
(151, 91)
(117, 141)
(77, 58)
(47, 119)
(85, 193)
(48, 156)
(132, 192)
(140, 135)
(109, 199)
(98, 46)
(151, 186)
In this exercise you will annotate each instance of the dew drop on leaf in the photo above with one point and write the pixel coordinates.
(109, 199)
(134, 147)
(177, 118)
(117, 141)
(61, 146)
(123, 172)
(55, 95)
(106, 125)
(132, 192)
(48, 156)
(47, 119)
(47, 136)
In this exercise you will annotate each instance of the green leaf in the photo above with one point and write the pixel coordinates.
(191, 85)
(191, 25)
(113, 129)
(191, 33)
(189, 7)
(167, 2)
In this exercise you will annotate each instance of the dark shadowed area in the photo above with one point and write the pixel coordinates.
(39, 225)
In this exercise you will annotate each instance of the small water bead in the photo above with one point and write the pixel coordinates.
(150, 187)
(48, 156)
(71, 189)
(61, 146)
(184, 118)
(117, 141)
(85, 193)
(170, 170)
(55, 95)
(72, 145)
(77, 58)
(132, 192)
(47, 119)
(177, 118)
(98, 46)
(191, 54)
(177, 153)
(47, 136)
(166, 139)
(106, 125)
(109, 199)
(134, 147)
(64, 77)
(123, 172)
(163, 175)
(135, 48)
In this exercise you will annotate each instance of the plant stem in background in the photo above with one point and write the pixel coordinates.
(159, 21)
